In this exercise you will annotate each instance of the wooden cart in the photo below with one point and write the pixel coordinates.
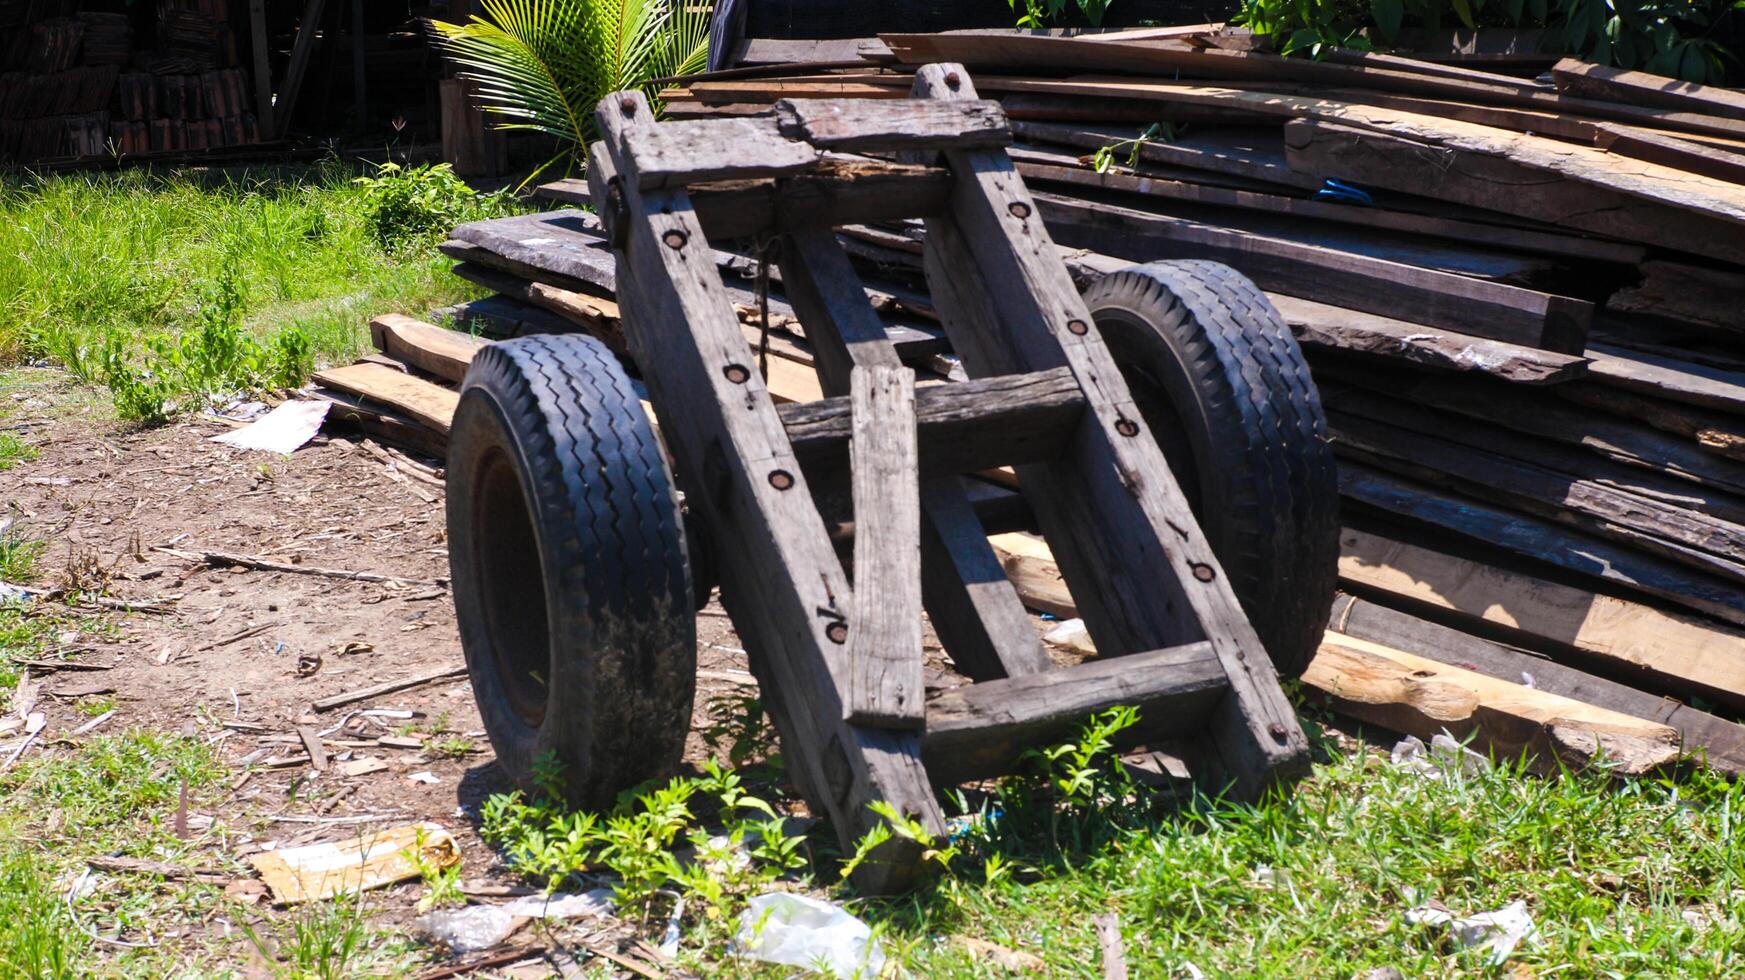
(839, 657)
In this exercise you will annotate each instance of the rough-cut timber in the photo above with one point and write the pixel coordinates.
(1666, 649)
(864, 125)
(444, 353)
(1593, 81)
(1419, 696)
(1328, 327)
(429, 403)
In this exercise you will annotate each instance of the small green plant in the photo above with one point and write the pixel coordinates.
(739, 726)
(18, 556)
(442, 885)
(40, 939)
(413, 208)
(1161, 132)
(321, 942)
(1033, 14)
(450, 746)
(13, 451)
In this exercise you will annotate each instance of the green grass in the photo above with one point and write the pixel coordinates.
(18, 556)
(89, 257)
(13, 451)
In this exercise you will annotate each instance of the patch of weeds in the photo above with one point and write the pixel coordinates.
(18, 556)
(450, 746)
(413, 208)
(92, 707)
(40, 939)
(102, 791)
(322, 941)
(740, 729)
(637, 842)
(13, 451)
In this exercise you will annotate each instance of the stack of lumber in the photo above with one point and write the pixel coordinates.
(80, 89)
(1519, 298)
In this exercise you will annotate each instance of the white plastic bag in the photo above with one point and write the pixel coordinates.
(794, 930)
(479, 927)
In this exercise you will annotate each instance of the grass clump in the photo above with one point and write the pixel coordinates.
(173, 288)
(18, 556)
(13, 451)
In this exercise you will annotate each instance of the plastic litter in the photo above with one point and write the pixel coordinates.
(1497, 932)
(478, 927)
(1072, 635)
(1442, 755)
(794, 930)
(281, 430)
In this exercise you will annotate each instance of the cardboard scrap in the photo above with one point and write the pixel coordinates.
(282, 430)
(321, 871)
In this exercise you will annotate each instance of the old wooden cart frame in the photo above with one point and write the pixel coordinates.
(840, 666)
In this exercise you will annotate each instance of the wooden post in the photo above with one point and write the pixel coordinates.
(263, 66)
(300, 52)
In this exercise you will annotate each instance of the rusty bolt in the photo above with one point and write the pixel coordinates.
(1077, 328)
(781, 479)
(628, 105)
(1019, 210)
(1203, 572)
(1277, 731)
(675, 238)
(952, 81)
(838, 632)
(736, 373)
(1127, 427)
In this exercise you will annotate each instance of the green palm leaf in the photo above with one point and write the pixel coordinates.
(544, 64)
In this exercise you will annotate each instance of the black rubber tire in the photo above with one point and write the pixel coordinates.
(1223, 384)
(567, 551)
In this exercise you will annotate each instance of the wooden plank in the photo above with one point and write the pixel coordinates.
(964, 427)
(781, 579)
(429, 403)
(691, 151)
(1486, 309)
(981, 729)
(1671, 151)
(301, 49)
(383, 423)
(974, 609)
(884, 681)
(863, 126)
(1250, 153)
(1666, 650)
(1030, 565)
(1704, 543)
(1686, 295)
(1669, 378)
(1109, 507)
(835, 192)
(1588, 80)
(1633, 200)
(444, 353)
(774, 90)
(1719, 743)
(1712, 432)
(782, 51)
(553, 242)
(1061, 168)
(263, 73)
(1322, 326)
(1544, 541)
(1419, 696)
(1614, 439)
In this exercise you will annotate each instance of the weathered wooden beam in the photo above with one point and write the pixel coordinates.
(1654, 647)
(980, 730)
(835, 192)
(1394, 289)
(1717, 742)
(1588, 80)
(1419, 696)
(1321, 326)
(426, 401)
(884, 675)
(689, 151)
(444, 353)
(862, 125)
(964, 427)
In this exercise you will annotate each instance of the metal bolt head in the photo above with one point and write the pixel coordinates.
(1019, 210)
(675, 238)
(736, 373)
(627, 105)
(952, 81)
(1127, 427)
(1277, 731)
(1204, 572)
(1077, 328)
(781, 479)
(837, 632)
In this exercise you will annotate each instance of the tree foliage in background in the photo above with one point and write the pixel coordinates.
(1666, 37)
(544, 64)
(1034, 14)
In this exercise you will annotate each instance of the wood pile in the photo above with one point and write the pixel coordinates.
(88, 85)
(1520, 297)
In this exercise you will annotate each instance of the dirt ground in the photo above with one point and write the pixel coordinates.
(240, 656)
